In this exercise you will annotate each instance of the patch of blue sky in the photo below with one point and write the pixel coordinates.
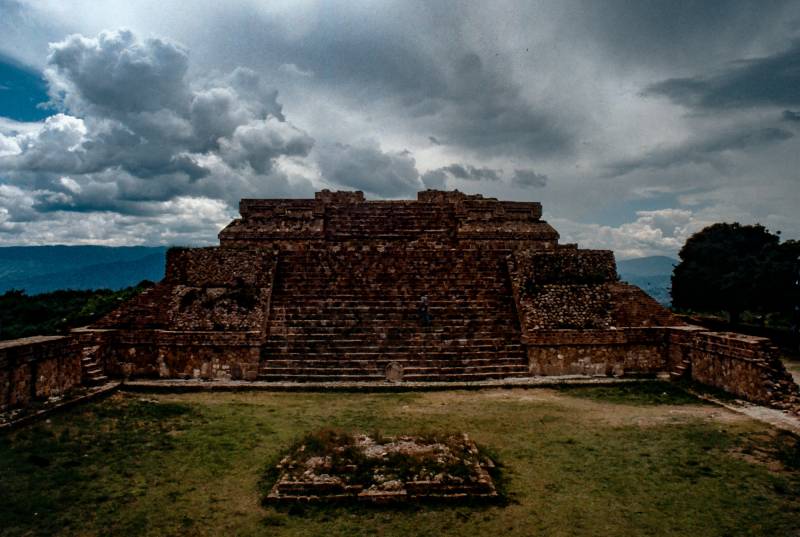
(23, 92)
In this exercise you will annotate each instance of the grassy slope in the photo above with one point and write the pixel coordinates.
(589, 462)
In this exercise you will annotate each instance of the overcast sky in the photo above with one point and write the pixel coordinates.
(634, 122)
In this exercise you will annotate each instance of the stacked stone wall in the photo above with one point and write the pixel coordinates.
(630, 306)
(562, 289)
(746, 366)
(446, 217)
(623, 352)
(204, 289)
(565, 266)
(37, 368)
(217, 267)
(183, 354)
(206, 319)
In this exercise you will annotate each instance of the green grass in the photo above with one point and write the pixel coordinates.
(596, 461)
(646, 393)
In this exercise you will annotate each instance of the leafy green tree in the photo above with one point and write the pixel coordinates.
(735, 268)
(22, 315)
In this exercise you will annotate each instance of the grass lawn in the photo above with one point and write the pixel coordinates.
(634, 460)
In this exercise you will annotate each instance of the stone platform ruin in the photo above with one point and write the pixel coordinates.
(334, 466)
(328, 289)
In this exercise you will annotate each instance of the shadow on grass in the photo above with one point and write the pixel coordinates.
(640, 393)
(44, 468)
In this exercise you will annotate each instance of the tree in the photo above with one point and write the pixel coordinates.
(735, 268)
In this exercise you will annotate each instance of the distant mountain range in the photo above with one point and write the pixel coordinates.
(653, 274)
(40, 269)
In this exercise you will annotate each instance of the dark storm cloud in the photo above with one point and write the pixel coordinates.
(767, 81)
(471, 173)
(366, 167)
(438, 177)
(484, 111)
(435, 179)
(529, 178)
(418, 63)
(676, 34)
(702, 150)
(495, 88)
(790, 115)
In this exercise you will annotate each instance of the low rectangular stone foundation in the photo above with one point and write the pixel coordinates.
(331, 466)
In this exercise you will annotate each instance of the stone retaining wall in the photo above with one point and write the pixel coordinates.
(445, 217)
(37, 368)
(183, 354)
(746, 366)
(562, 289)
(623, 352)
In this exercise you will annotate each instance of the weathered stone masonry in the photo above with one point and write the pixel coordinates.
(37, 368)
(329, 289)
(206, 319)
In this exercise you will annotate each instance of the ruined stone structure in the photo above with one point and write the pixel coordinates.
(329, 289)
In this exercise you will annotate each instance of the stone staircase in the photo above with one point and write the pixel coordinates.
(352, 316)
(91, 369)
(389, 220)
(682, 371)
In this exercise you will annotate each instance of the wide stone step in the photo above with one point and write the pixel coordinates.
(398, 356)
(464, 377)
(398, 341)
(298, 325)
(376, 346)
(431, 372)
(484, 313)
(442, 377)
(96, 380)
(370, 341)
(391, 356)
(410, 273)
(413, 321)
(333, 306)
(323, 298)
(389, 337)
(364, 282)
(279, 377)
(300, 361)
(364, 297)
(451, 345)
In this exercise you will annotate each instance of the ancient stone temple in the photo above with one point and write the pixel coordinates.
(330, 289)
(448, 287)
